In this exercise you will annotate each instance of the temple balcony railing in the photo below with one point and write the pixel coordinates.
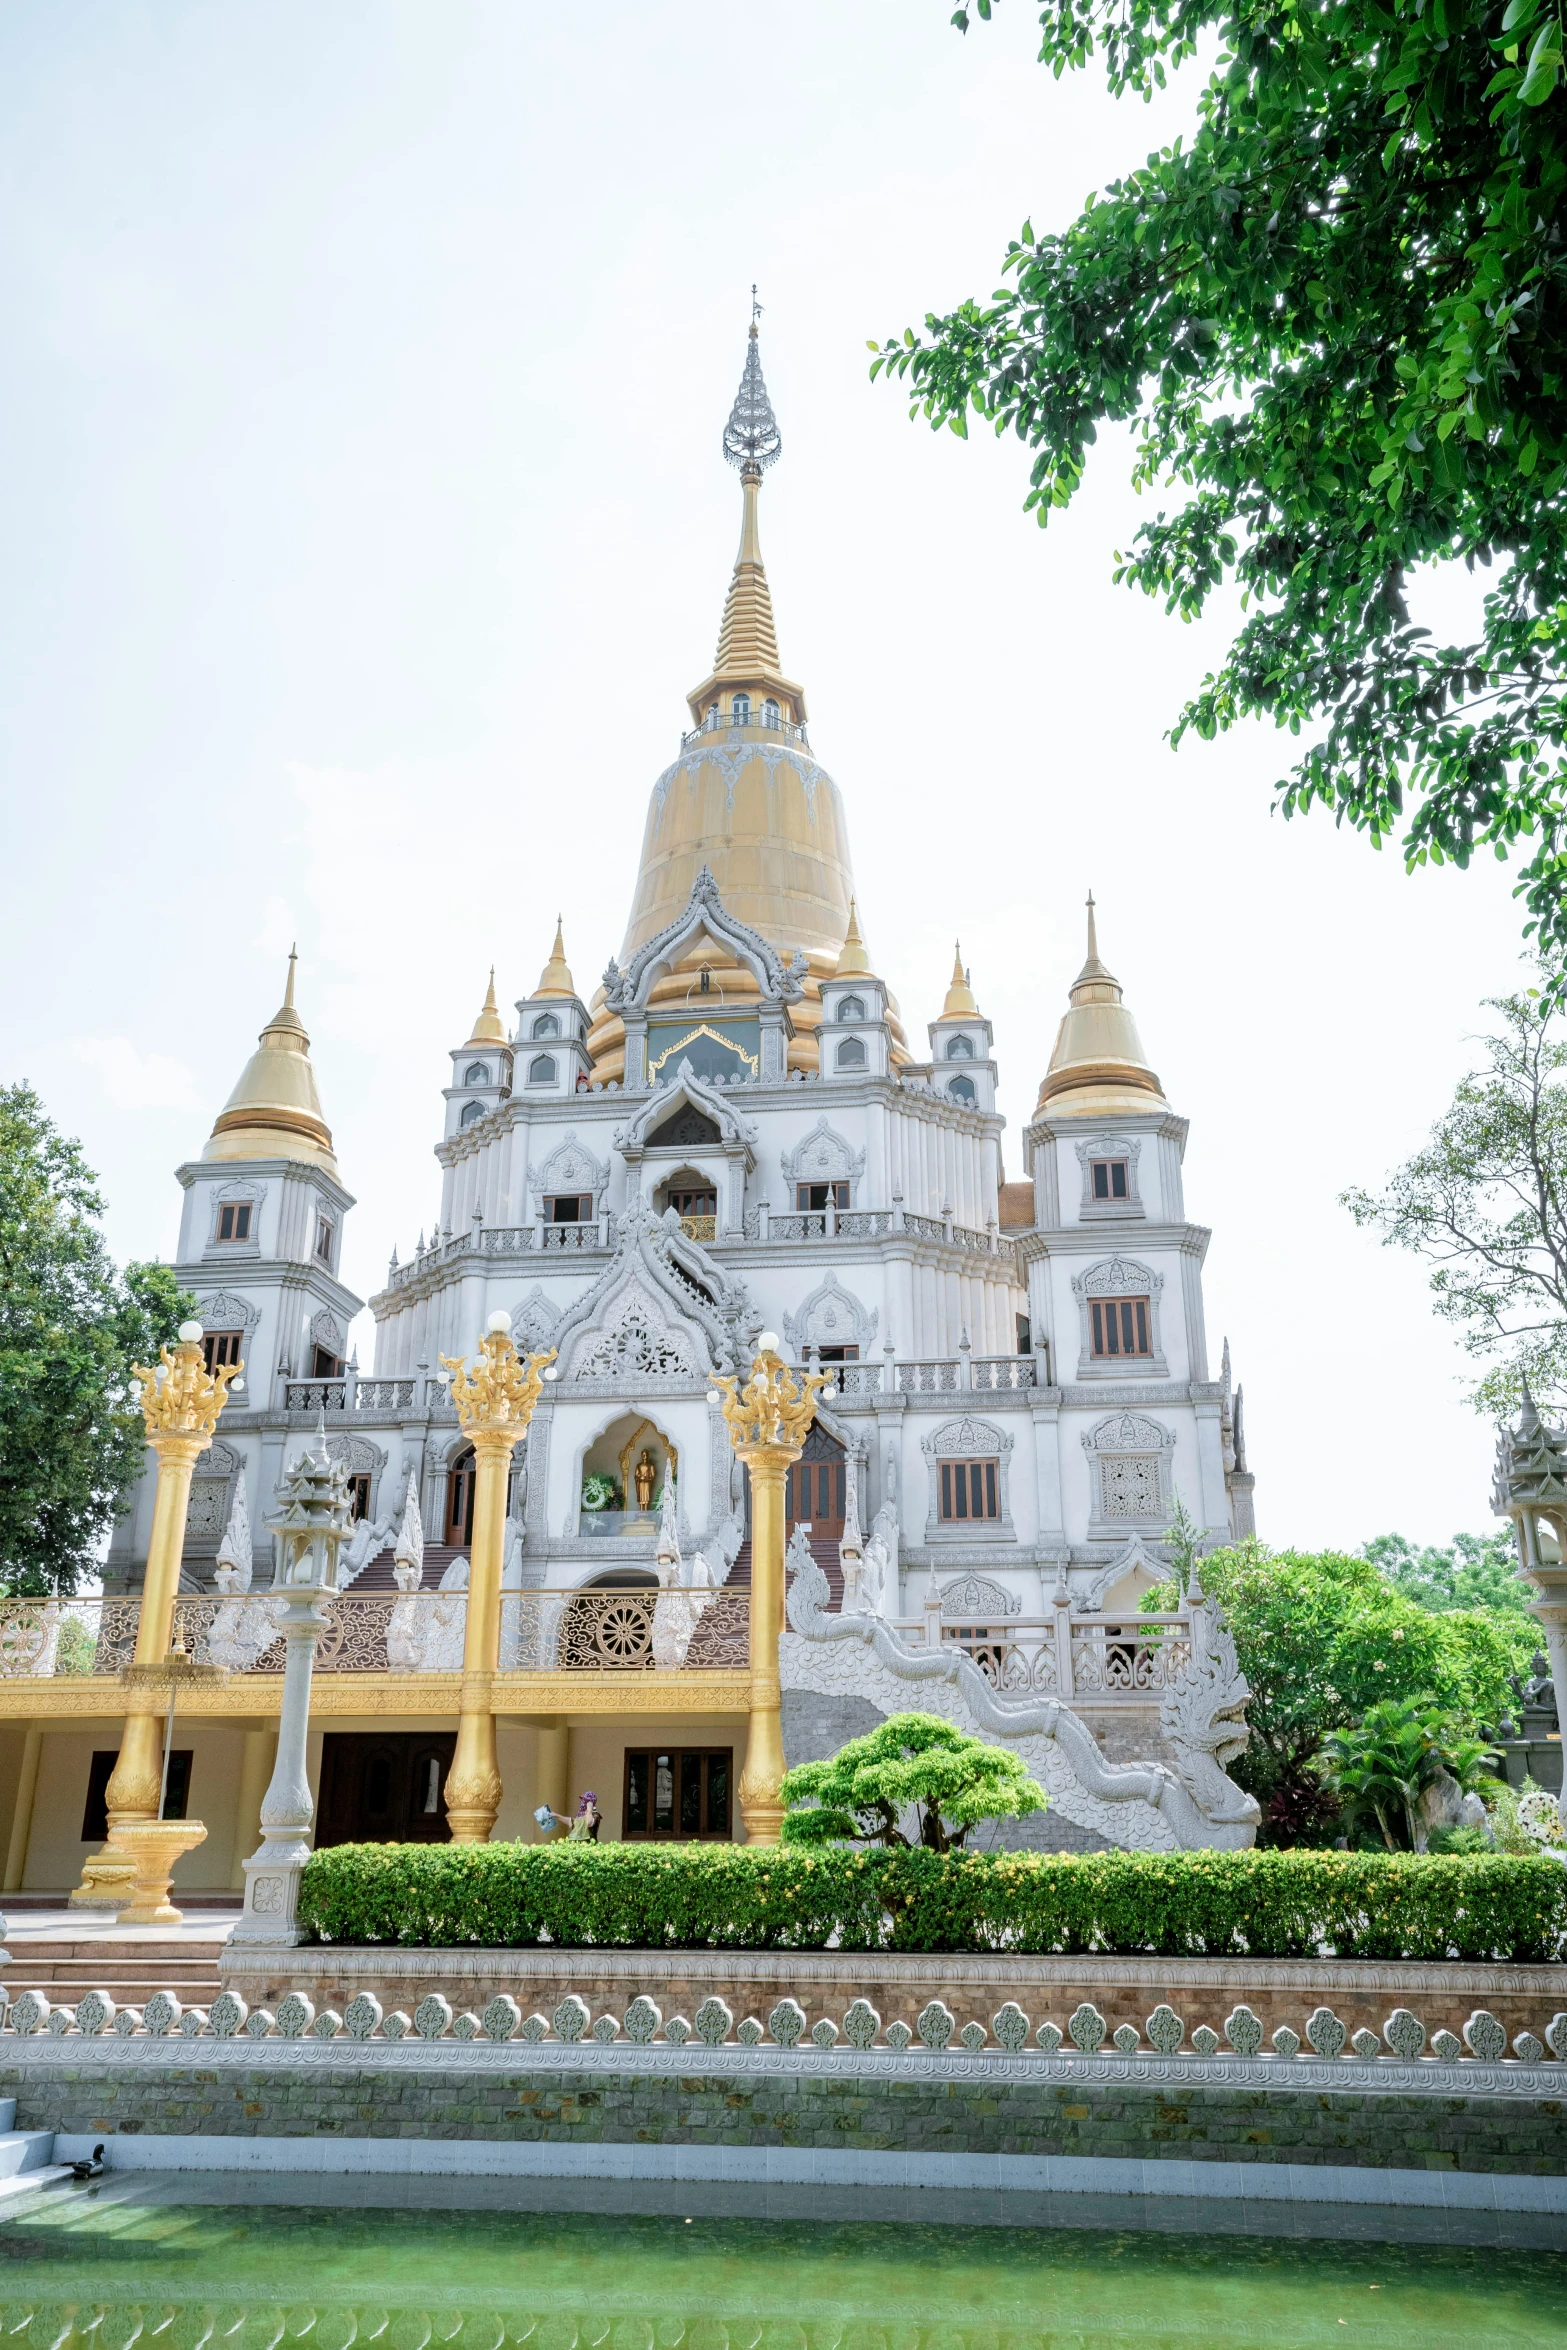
(549, 1631)
(1081, 1659)
(771, 1227)
(746, 722)
(966, 1374)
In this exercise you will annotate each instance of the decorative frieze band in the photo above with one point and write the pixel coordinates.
(1400, 2056)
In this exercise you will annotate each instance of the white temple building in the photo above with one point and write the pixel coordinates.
(731, 1132)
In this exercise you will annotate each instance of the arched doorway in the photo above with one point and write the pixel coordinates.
(460, 1482)
(817, 1492)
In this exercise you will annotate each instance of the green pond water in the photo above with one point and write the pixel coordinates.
(87, 2271)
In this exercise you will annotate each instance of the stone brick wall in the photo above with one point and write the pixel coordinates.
(1202, 2121)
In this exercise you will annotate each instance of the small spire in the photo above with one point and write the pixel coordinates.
(853, 961)
(489, 1028)
(1092, 968)
(747, 654)
(276, 1096)
(960, 1002)
(555, 978)
(1097, 1044)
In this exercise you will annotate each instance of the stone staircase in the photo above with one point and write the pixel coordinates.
(128, 1967)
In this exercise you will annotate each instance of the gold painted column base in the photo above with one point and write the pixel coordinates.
(108, 1881)
(152, 1847)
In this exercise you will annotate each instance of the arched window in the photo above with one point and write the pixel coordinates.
(740, 709)
(851, 1007)
(851, 1053)
(541, 1071)
(961, 1089)
(476, 1073)
(546, 1025)
(470, 1111)
(769, 712)
(960, 1048)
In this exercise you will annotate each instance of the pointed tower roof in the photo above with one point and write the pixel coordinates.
(555, 978)
(853, 961)
(489, 1028)
(747, 653)
(1098, 1052)
(274, 1111)
(960, 1002)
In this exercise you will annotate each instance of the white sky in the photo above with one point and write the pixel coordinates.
(365, 365)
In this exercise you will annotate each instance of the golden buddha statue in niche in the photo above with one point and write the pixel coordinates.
(643, 1478)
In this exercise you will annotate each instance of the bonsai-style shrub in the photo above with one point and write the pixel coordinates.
(912, 1762)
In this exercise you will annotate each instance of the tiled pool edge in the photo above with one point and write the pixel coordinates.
(787, 2165)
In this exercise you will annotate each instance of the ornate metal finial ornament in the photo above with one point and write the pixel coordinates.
(499, 1394)
(775, 1407)
(179, 1396)
(751, 437)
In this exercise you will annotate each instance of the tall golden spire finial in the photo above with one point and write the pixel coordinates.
(555, 978)
(489, 1028)
(853, 961)
(1097, 1045)
(960, 1002)
(274, 1111)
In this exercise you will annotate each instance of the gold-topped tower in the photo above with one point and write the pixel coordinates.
(1098, 1062)
(746, 797)
(555, 978)
(489, 1028)
(274, 1111)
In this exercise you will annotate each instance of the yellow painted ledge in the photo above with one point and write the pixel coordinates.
(258, 1696)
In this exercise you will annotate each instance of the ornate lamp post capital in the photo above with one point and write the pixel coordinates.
(180, 1399)
(496, 1398)
(773, 1410)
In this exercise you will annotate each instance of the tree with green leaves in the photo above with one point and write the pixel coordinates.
(910, 1762)
(71, 1437)
(1334, 318)
(1485, 1203)
(1474, 1571)
(1381, 1767)
(1321, 1637)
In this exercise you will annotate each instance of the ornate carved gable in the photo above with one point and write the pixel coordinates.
(640, 1342)
(684, 1316)
(571, 1166)
(705, 913)
(977, 1599)
(968, 1437)
(822, 1156)
(1128, 1432)
(830, 1316)
(689, 1097)
(1118, 1277)
(227, 1311)
(327, 1332)
(534, 1323)
(685, 1128)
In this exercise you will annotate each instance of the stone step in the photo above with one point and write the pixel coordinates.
(25, 2150)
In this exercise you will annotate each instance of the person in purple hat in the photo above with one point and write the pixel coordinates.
(584, 1829)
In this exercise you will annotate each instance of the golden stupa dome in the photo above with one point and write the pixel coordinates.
(274, 1111)
(489, 1028)
(1098, 1065)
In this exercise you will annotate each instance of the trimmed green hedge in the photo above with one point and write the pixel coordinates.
(726, 1897)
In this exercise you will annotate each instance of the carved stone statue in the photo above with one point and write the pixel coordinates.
(234, 1566)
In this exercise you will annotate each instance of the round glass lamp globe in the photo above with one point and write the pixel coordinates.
(499, 1320)
(767, 1344)
(190, 1333)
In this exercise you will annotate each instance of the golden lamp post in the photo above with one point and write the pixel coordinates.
(181, 1401)
(768, 1419)
(494, 1405)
